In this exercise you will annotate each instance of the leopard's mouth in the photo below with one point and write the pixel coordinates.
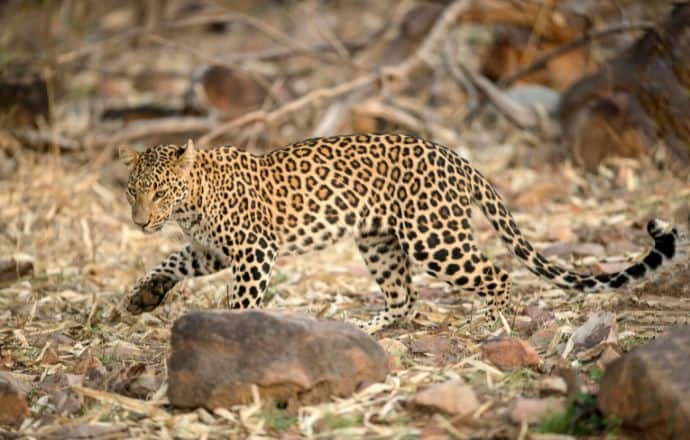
(150, 229)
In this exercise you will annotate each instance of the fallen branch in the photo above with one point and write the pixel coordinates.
(521, 116)
(452, 65)
(588, 37)
(268, 30)
(428, 46)
(398, 116)
(134, 405)
(292, 106)
(399, 72)
(555, 53)
(45, 140)
(139, 129)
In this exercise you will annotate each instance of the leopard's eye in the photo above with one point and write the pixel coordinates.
(159, 194)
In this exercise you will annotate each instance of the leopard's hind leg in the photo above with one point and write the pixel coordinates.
(452, 255)
(390, 266)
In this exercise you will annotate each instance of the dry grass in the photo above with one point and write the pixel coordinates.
(62, 320)
(91, 371)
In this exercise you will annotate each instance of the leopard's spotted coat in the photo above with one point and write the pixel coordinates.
(404, 199)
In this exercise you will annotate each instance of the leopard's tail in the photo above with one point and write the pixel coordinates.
(665, 238)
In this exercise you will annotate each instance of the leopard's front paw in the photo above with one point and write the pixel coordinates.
(148, 294)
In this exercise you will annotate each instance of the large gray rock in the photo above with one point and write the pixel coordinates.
(649, 388)
(217, 356)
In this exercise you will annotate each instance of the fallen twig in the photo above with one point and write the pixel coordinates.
(135, 405)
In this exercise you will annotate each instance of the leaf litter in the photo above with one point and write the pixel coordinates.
(89, 371)
(61, 327)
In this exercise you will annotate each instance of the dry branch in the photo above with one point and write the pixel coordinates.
(400, 72)
(588, 37)
(139, 129)
(451, 64)
(268, 30)
(555, 53)
(377, 109)
(520, 115)
(428, 46)
(135, 405)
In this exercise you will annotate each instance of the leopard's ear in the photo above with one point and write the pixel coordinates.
(186, 159)
(128, 156)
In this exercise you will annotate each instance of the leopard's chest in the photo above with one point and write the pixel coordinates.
(197, 229)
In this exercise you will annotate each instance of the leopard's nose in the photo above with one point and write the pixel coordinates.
(142, 223)
(140, 220)
(140, 215)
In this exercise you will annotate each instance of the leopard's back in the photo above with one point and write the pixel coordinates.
(325, 188)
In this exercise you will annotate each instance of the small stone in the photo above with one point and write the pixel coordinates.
(15, 267)
(393, 346)
(511, 353)
(452, 397)
(552, 385)
(217, 357)
(534, 410)
(600, 327)
(432, 344)
(396, 350)
(539, 316)
(591, 338)
(587, 249)
(609, 355)
(136, 380)
(558, 249)
(123, 351)
(432, 431)
(50, 357)
(601, 267)
(543, 337)
(561, 232)
(63, 399)
(522, 324)
(649, 388)
(13, 406)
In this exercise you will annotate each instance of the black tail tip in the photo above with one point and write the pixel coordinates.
(657, 228)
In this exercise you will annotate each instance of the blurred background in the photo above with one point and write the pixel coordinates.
(588, 76)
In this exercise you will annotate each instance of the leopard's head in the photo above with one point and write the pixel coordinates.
(158, 182)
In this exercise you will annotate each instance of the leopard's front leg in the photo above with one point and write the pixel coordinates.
(149, 291)
(252, 262)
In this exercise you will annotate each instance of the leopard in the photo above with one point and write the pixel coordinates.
(405, 201)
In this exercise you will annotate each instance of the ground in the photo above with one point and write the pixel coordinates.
(90, 370)
(62, 320)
